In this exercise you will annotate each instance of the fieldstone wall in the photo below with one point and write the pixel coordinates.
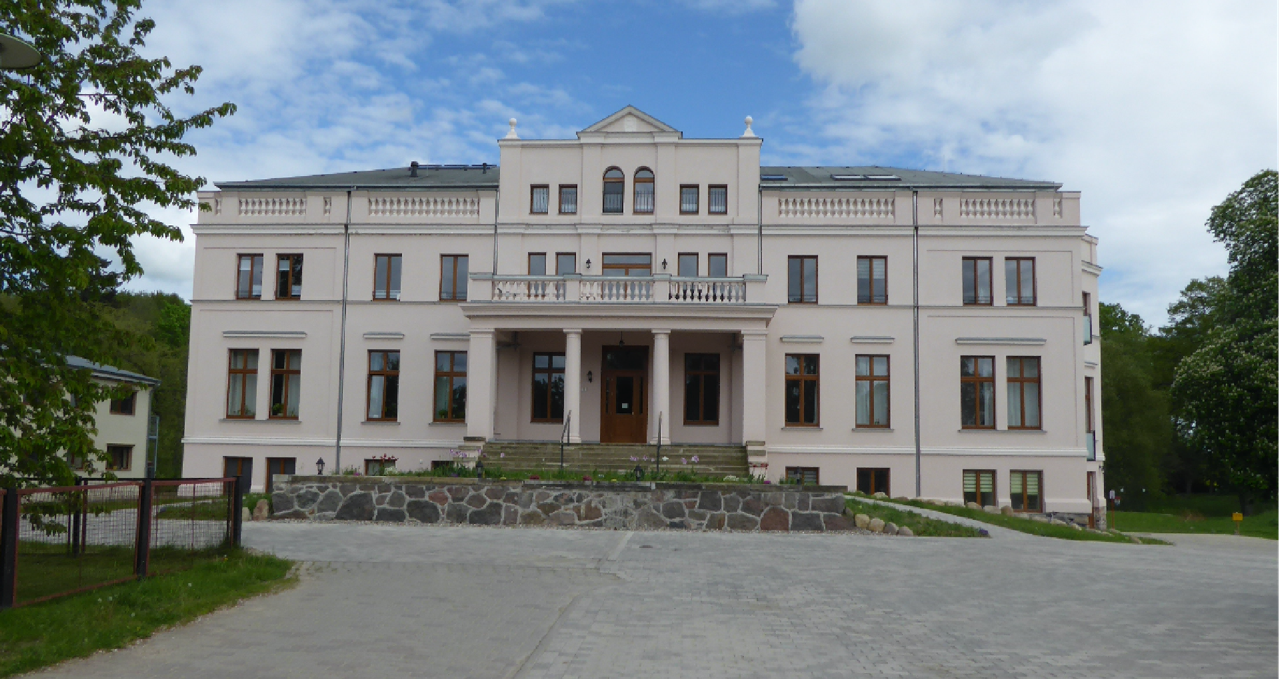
(628, 506)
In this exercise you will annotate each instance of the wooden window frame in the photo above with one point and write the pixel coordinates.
(802, 378)
(605, 266)
(529, 267)
(871, 280)
(888, 475)
(533, 192)
(713, 187)
(117, 405)
(560, 197)
(452, 373)
(872, 379)
(792, 473)
(978, 380)
(387, 290)
(286, 371)
(550, 371)
(453, 277)
(697, 263)
(1087, 302)
(372, 465)
(697, 199)
(604, 191)
(977, 296)
(723, 255)
(802, 259)
(128, 457)
(245, 373)
(253, 259)
(995, 488)
(1039, 509)
(1021, 379)
(1088, 405)
(289, 280)
(702, 374)
(574, 255)
(636, 182)
(1018, 281)
(386, 374)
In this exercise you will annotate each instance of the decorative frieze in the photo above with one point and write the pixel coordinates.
(424, 207)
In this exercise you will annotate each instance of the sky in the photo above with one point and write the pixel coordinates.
(1154, 110)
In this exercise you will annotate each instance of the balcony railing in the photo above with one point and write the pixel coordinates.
(661, 289)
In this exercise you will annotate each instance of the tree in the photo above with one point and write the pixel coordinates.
(70, 186)
(1135, 414)
(1225, 392)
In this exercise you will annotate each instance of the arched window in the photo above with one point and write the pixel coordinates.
(613, 187)
(644, 191)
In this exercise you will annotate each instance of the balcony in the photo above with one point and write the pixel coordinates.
(657, 289)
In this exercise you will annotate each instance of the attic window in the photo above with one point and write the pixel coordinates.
(866, 177)
(773, 178)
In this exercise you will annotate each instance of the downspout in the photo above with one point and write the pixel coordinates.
(915, 318)
(759, 229)
(342, 343)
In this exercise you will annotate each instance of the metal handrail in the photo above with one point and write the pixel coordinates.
(564, 435)
(658, 456)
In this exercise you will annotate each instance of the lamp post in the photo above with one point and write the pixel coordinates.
(320, 467)
(17, 54)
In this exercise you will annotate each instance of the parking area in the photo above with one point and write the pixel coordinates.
(380, 601)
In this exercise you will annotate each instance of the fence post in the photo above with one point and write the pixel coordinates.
(143, 548)
(237, 512)
(75, 503)
(9, 524)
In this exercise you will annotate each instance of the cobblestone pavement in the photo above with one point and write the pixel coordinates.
(483, 602)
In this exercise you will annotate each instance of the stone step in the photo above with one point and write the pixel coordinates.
(712, 460)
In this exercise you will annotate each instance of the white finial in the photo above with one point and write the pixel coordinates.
(512, 133)
(748, 132)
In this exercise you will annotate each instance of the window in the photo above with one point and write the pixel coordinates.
(126, 405)
(453, 278)
(980, 487)
(538, 199)
(279, 465)
(802, 279)
(242, 384)
(119, 458)
(379, 466)
(873, 480)
(1024, 491)
(568, 199)
(451, 386)
(537, 263)
(976, 280)
(613, 186)
(802, 390)
(548, 387)
(1088, 319)
(871, 280)
(1090, 438)
(640, 264)
(384, 385)
(289, 277)
(286, 383)
(249, 277)
(702, 388)
(1020, 281)
(1024, 392)
(566, 263)
(643, 186)
(718, 265)
(386, 277)
(717, 199)
(872, 391)
(977, 392)
(688, 265)
(803, 475)
(688, 199)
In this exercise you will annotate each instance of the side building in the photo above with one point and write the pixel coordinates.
(124, 425)
(630, 287)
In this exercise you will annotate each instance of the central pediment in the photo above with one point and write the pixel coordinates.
(630, 120)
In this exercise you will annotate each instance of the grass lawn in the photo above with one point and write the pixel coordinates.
(1262, 525)
(1025, 525)
(211, 510)
(113, 617)
(920, 525)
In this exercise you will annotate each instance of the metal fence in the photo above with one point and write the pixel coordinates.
(59, 541)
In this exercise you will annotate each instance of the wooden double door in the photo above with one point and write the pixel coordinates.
(623, 415)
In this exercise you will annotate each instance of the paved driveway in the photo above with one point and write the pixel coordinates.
(379, 601)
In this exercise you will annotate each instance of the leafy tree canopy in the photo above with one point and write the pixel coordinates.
(73, 185)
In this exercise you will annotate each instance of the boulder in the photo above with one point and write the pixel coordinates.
(861, 520)
(891, 528)
(1135, 540)
(1006, 510)
(876, 525)
(902, 498)
(881, 496)
(832, 522)
(1076, 526)
(245, 514)
(1040, 518)
(262, 510)
(906, 532)
(972, 505)
(1057, 522)
(954, 504)
(991, 509)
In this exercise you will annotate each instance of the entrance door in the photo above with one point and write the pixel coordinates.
(279, 465)
(241, 468)
(1091, 481)
(622, 408)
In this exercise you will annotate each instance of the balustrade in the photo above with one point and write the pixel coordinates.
(616, 290)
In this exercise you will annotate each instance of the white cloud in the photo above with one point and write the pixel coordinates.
(1154, 110)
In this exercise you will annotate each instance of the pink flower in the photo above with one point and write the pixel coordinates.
(684, 461)
(501, 455)
(695, 459)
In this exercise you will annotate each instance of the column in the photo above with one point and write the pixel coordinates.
(661, 404)
(754, 378)
(482, 378)
(573, 383)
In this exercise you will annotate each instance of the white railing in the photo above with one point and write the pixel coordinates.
(665, 289)
(998, 208)
(424, 207)
(528, 289)
(837, 208)
(616, 289)
(273, 207)
(708, 290)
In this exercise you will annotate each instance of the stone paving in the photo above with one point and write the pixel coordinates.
(381, 601)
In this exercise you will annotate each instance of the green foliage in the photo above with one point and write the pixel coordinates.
(1024, 524)
(1135, 415)
(85, 138)
(921, 526)
(1201, 513)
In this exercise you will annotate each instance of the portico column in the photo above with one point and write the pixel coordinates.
(661, 384)
(754, 374)
(482, 382)
(573, 383)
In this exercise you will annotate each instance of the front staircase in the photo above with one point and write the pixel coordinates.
(616, 457)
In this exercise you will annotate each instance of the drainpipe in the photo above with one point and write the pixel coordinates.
(759, 230)
(342, 343)
(915, 317)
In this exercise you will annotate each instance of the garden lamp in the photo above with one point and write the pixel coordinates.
(639, 472)
(320, 467)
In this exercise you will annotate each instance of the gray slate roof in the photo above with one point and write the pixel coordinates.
(486, 177)
(110, 372)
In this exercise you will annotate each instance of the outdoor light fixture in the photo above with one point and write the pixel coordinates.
(588, 264)
(320, 467)
(479, 469)
(588, 377)
(664, 264)
(639, 472)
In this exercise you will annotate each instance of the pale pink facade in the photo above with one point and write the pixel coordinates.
(751, 316)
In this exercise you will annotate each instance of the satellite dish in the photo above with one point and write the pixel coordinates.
(16, 54)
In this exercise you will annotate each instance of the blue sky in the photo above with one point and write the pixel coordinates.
(1155, 110)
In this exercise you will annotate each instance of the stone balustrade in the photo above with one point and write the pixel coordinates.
(659, 288)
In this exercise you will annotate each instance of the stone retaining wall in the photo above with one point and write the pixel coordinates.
(536, 503)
